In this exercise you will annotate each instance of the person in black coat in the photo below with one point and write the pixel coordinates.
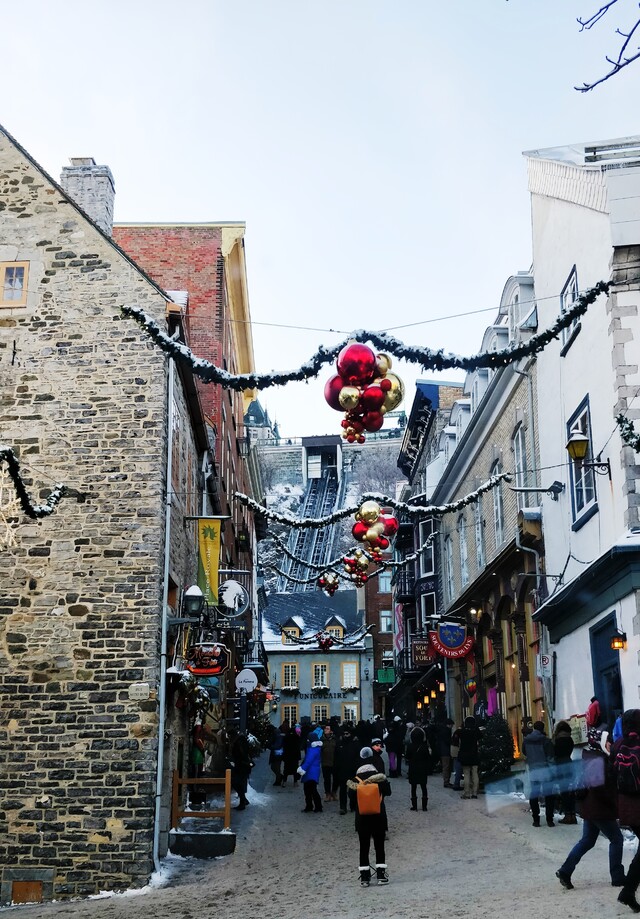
(290, 755)
(418, 756)
(395, 744)
(346, 762)
(469, 756)
(562, 749)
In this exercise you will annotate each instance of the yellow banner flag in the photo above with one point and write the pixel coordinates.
(208, 558)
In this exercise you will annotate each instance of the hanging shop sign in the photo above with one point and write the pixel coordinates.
(451, 640)
(471, 686)
(422, 652)
(233, 599)
(208, 659)
(246, 681)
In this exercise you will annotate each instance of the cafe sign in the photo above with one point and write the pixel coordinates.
(422, 652)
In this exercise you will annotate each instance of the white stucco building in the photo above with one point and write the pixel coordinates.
(585, 207)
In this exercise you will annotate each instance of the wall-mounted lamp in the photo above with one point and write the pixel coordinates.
(192, 601)
(578, 447)
(426, 700)
(366, 673)
(618, 640)
(418, 705)
(441, 687)
(433, 694)
(475, 614)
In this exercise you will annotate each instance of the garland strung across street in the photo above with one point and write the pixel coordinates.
(628, 432)
(426, 358)
(325, 641)
(35, 511)
(416, 511)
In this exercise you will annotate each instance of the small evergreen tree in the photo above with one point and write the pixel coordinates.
(496, 749)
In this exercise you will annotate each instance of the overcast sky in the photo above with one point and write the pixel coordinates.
(373, 147)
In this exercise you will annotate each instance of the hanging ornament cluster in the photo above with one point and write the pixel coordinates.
(356, 567)
(364, 389)
(328, 581)
(374, 528)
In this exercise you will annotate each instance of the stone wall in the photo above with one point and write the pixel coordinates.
(83, 398)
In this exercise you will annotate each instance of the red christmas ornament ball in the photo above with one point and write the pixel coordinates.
(332, 390)
(356, 364)
(373, 421)
(372, 398)
(385, 385)
(359, 530)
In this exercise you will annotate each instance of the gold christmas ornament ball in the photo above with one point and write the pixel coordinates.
(369, 511)
(374, 532)
(363, 563)
(383, 364)
(395, 395)
(349, 397)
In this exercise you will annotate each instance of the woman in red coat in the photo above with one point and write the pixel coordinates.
(629, 805)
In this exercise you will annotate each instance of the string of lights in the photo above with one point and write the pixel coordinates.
(35, 511)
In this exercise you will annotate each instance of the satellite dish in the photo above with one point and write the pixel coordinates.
(233, 598)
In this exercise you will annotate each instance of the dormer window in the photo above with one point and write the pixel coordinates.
(335, 631)
(289, 634)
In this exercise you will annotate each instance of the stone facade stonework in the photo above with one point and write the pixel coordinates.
(84, 402)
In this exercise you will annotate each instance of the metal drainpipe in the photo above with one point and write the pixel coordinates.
(162, 691)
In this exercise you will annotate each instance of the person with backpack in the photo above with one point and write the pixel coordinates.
(418, 757)
(596, 801)
(370, 787)
(625, 757)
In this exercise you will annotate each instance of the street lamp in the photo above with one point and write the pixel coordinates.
(578, 447)
(193, 601)
(618, 640)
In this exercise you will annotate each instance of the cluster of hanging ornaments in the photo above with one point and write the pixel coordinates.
(364, 389)
(374, 528)
(328, 581)
(356, 567)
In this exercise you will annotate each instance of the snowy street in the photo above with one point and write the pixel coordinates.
(476, 858)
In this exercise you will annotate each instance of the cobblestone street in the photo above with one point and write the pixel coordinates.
(460, 859)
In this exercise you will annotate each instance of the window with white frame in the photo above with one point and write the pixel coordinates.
(568, 297)
(386, 620)
(349, 674)
(464, 555)
(448, 566)
(384, 582)
(519, 446)
(426, 555)
(320, 675)
(583, 484)
(335, 631)
(289, 676)
(320, 713)
(13, 283)
(498, 505)
(289, 634)
(514, 316)
(428, 608)
(350, 712)
(290, 715)
(479, 532)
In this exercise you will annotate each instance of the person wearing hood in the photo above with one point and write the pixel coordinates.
(418, 757)
(628, 749)
(469, 756)
(347, 760)
(597, 803)
(538, 750)
(395, 744)
(309, 770)
(370, 826)
(564, 769)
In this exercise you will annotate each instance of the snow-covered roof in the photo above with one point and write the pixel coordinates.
(311, 611)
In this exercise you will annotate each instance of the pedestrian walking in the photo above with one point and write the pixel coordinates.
(276, 753)
(395, 744)
(444, 730)
(327, 760)
(347, 761)
(469, 756)
(455, 760)
(418, 756)
(290, 755)
(241, 765)
(563, 770)
(309, 770)
(597, 804)
(370, 823)
(538, 750)
(625, 758)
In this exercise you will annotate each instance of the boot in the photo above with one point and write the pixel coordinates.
(381, 874)
(425, 801)
(414, 804)
(569, 818)
(628, 897)
(365, 876)
(536, 821)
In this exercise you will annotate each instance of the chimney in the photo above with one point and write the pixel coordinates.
(92, 188)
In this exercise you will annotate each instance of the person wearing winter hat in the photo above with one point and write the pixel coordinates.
(371, 826)
(395, 745)
(418, 758)
(597, 804)
(309, 771)
(627, 749)
(346, 761)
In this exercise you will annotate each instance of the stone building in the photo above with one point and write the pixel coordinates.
(89, 729)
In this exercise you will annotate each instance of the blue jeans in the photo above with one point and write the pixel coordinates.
(591, 829)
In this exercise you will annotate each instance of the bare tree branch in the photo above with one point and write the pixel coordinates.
(588, 23)
(622, 60)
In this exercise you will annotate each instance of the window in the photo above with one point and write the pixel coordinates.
(448, 566)
(477, 524)
(386, 622)
(514, 316)
(289, 634)
(384, 582)
(320, 675)
(350, 712)
(568, 297)
(13, 283)
(498, 506)
(320, 713)
(519, 446)
(335, 631)
(290, 715)
(583, 484)
(349, 674)
(289, 676)
(428, 608)
(426, 556)
(464, 555)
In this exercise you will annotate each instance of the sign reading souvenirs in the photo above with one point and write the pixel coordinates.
(422, 652)
(451, 640)
(207, 659)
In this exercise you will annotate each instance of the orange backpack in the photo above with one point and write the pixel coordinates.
(369, 797)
